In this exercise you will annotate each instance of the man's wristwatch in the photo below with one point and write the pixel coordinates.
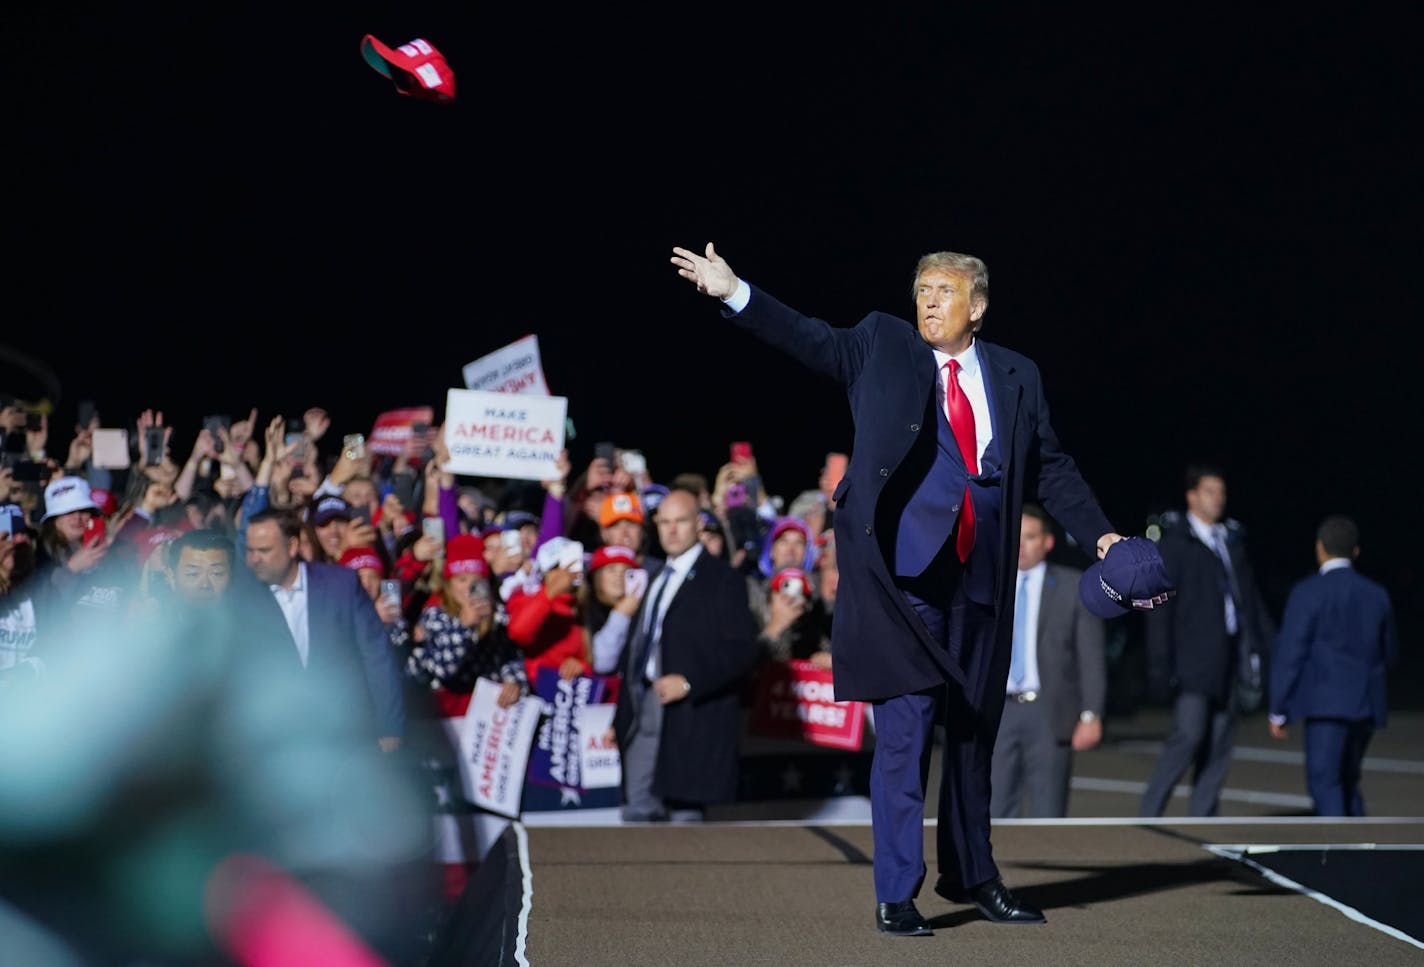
(1087, 716)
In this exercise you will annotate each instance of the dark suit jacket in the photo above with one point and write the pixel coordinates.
(1187, 642)
(1072, 663)
(708, 637)
(349, 647)
(1336, 641)
(880, 647)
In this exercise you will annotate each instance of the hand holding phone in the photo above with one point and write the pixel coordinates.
(353, 445)
(391, 590)
(216, 425)
(635, 582)
(153, 445)
(94, 531)
(433, 527)
(633, 462)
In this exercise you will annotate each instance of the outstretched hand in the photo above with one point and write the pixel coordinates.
(712, 275)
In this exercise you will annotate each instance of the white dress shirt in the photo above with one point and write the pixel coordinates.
(293, 602)
(971, 380)
(1034, 593)
(674, 572)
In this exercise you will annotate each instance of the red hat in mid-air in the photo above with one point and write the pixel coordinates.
(416, 68)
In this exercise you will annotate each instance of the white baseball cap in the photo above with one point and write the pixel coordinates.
(66, 495)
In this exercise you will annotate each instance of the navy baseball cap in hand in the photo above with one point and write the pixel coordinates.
(1130, 577)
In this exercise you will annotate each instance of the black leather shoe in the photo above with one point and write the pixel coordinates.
(998, 903)
(901, 920)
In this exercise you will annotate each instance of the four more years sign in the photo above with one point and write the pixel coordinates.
(795, 700)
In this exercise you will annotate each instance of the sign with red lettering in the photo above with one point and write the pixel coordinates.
(393, 429)
(796, 700)
(600, 766)
(516, 368)
(499, 435)
(494, 748)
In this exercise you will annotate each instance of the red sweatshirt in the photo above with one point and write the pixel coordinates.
(548, 630)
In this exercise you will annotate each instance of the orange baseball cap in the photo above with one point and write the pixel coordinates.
(620, 506)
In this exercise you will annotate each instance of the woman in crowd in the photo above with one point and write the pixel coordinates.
(83, 579)
(547, 621)
(610, 600)
(458, 639)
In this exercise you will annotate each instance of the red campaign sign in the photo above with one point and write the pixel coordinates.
(795, 700)
(393, 429)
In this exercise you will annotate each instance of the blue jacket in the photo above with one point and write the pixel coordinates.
(1336, 641)
(880, 648)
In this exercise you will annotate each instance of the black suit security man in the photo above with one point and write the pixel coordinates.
(1205, 644)
(950, 434)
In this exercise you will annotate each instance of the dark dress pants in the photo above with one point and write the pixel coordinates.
(904, 728)
(1203, 734)
(1334, 751)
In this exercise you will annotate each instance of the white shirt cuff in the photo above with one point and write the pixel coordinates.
(738, 300)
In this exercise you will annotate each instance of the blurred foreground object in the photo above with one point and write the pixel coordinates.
(158, 751)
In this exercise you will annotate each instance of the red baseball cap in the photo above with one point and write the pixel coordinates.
(417, 68)
(612, 554)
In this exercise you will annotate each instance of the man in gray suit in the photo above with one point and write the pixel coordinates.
(1057, 681)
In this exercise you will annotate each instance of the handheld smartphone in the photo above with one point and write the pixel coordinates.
(153, 444)
(403, 486)
(361, 512)
(354, 446)
(633, 462)
(433, 527)
(84, 414)
(215, 424)
(511, 542)
(7, 523)
(29, 471)
(480, 590)
(298, 440)
(94, 531)
(605, 451)
(391, 589)
(635, 582)
(741, 452)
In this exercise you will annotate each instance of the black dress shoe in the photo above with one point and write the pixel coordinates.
(901, 920)
(998, 903)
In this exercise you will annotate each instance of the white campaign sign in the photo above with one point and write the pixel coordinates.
(499, 435)
(494, 748)
(514, 369)
(599, 766)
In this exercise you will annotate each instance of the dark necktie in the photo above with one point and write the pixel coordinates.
(961, 421)
(646, 651)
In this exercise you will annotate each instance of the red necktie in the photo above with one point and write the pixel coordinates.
(961, 421)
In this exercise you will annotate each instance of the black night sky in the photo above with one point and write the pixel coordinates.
(1203, 223)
